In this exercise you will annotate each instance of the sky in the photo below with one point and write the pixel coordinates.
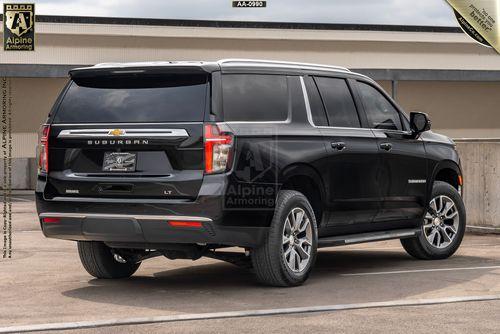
(400, 12)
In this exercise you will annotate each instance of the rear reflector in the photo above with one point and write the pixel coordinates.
(181, 223)
(460, 180)
(51, 220)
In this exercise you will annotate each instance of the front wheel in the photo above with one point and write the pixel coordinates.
(287, 256)
(443, 227)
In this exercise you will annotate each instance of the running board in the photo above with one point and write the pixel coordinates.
(367, 237)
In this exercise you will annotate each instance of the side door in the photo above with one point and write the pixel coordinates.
(352, 154)
(403, 160)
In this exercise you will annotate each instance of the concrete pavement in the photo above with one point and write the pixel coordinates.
(45, 283)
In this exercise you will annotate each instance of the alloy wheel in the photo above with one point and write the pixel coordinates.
(297, 240)
(441, 222)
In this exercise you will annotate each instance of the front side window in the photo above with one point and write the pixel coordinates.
(254, 97)
(338, 101)
(380, 112)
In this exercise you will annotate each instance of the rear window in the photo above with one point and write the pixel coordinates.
(255, 97)
(165, 98)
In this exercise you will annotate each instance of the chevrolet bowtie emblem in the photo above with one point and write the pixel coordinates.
(116, 132)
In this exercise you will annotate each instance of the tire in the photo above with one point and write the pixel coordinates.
(99, 261)
(274, 262)
(427, 245)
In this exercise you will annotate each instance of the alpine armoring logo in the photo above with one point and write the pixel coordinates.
(254, 182)
(19, 27)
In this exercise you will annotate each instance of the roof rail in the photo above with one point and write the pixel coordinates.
(283, 63)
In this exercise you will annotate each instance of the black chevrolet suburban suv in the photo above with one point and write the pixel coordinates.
(188, 159)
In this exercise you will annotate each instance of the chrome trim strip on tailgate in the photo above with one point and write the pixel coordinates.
(122, 133)
(136, 217)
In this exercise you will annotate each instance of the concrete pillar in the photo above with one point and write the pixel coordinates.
(481, 168)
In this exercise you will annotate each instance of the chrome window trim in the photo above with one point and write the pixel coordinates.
(306, 101)
(398, 132)
(341, 128)
(136, 217)
(128, 133)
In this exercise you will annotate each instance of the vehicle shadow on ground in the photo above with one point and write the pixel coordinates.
(222, 286)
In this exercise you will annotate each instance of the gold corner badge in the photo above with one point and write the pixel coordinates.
(19, 27)
(480, 20)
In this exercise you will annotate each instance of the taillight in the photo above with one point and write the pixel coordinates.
(43, 149)
(218, 148)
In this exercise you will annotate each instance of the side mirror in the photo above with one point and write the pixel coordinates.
(419, 122)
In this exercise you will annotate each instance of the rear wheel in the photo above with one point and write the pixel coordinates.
(287, 256)
(99, 261)
(443, 227)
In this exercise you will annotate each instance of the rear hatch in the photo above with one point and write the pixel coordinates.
(129, 135)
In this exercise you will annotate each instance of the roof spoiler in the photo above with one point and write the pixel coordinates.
(105, 69)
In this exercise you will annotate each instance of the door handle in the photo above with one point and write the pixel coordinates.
(386, 146)
(340, 146)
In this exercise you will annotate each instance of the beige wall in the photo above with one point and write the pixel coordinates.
(32, 99)
(386, 85)
(65, 43)
(457, 109)
(62, 49)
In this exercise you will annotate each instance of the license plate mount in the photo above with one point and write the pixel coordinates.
(119, 162)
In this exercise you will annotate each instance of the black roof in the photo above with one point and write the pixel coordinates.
(224, 65)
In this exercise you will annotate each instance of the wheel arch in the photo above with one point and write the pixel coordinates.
(307, 180)
(446, 171)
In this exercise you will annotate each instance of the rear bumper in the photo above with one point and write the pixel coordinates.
(152, 230)
(141, 222)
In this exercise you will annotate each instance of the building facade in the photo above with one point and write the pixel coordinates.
(438, 70)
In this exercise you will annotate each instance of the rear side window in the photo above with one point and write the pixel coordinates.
(338, 101)
(380, 112)
(317, 110)
(165, 98)
(254, 97)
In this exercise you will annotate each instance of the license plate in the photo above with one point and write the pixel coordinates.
(119, 162)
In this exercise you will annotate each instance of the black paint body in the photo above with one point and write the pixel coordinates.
(357, 188)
